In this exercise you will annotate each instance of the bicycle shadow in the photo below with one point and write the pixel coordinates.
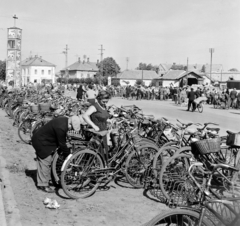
(156, 197)
(122, 182)
(32, 174)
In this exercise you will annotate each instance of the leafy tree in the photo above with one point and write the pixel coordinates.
(108, 67)
(233, 69)
(2, 70)
(139, 82)
(203, 69)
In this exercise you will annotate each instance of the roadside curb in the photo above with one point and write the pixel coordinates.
(14, 218)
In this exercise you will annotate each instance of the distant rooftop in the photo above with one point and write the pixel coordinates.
(36, 61)
(82, 66)
(138, 74)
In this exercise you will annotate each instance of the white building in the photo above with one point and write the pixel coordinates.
(80, 69)
(37, 70)
(131, 76)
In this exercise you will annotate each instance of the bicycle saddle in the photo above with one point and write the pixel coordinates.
(230, 132)
(100, 133)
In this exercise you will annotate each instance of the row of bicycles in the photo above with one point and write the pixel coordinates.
(187, 166)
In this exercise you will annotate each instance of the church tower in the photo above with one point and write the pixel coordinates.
(13, 64)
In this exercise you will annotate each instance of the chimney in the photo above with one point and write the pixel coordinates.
(79, 60)
(88, 60)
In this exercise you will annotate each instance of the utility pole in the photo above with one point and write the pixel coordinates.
(187, 64)
(101, 58)
(66, 60)
(127, 59)
(211, 50)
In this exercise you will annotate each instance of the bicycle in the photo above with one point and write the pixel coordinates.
(205, 210)
(86, 170)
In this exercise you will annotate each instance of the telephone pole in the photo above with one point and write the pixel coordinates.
(101, 69)
(211, 50)
(66, 60)
(127, 59)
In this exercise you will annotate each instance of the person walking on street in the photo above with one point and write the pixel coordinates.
(233, 95)
(80, 92)
(191, 98)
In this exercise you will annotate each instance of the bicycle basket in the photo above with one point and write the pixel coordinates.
(233, 139)
(207, 146)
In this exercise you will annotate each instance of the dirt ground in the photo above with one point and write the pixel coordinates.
(118, 205)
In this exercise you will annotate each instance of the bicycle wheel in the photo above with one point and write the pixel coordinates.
(78, 178)
(161, 157)
(175, 182)
(138, 162)
(57, 165)
(7, 110)
(178, 217)
(200, 108)
(24, 130)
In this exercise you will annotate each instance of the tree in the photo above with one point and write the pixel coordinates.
(108, 67)
(139, 82)
(2, 70)
(233, 69)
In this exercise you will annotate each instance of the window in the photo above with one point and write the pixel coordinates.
(49, 72)
(27, 79)
(35, 71)
(35, 80)
(42, 72)
(11, 44)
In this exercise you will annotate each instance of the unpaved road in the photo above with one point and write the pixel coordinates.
(119, 205)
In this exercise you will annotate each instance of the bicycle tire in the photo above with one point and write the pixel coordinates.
(200, 108)
(7, 109)
(174, 176)
(22, 129)
(179, 217)
(163, 151)
(57, 164)
(136, 164)
(88, 182)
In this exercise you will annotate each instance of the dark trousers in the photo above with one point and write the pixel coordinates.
(191, 102)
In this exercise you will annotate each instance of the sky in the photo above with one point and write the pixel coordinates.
(147, 31)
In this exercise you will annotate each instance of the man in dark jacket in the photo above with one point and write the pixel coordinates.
(45, 142)
(80, 92)
(191, 98)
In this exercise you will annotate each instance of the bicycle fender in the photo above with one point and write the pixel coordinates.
(65, 162)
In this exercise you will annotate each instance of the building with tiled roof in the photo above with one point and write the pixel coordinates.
(80, 69)
(131, 76)
(180, 78)
(37, 70)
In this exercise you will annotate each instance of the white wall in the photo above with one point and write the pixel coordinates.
(84, 74)
(133, 81)
(38, 76)
(168, 83)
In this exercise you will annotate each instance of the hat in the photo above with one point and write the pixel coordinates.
(75, 122)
